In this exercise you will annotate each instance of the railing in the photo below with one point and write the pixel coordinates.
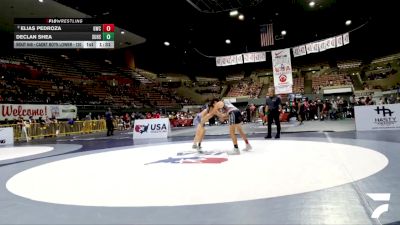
(37, 130)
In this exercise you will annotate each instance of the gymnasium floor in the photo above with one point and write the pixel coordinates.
(318, 173)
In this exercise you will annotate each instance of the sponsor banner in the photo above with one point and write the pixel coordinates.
(151, 128)
(377, 117)
(346, 39)
(6, 136)
(14, 111)
(282, 69)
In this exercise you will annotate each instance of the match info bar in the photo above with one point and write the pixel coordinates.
(62, 33)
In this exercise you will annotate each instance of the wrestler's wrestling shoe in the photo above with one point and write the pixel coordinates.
(198, 148)
(248, 148)
(235, 151)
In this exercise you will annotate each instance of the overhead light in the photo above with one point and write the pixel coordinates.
(41, 1)
(348, 22)
(283, 32)
(311, 4)
(233, 13)
(241, 17)
(228, 41)
(166, 43)
(313, 71)
(122, 32)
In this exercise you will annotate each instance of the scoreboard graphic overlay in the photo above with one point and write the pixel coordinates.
(35, 33)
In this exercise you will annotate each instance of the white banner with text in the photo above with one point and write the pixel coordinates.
(6, 136)
(282, 69)
(14, 111)
(151, 128)
(377, 117)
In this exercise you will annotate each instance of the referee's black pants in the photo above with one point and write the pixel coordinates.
(110, 127)
(274, 115)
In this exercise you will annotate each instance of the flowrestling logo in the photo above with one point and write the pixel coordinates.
(194, 158)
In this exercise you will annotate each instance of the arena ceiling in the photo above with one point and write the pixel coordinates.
(197, 29)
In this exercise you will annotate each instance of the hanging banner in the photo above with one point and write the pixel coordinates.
(260, 57)
(322, 46)
(328, 43)
(346, 39)
(282, 70)
(299, 50)
(313, 47)
(252, 57)
(331, 43)
(296, 51)
(229, 60)
(248, 57)
(302, 50)
(339, 41)
(239, 59)
(309, 48)
(15, 111)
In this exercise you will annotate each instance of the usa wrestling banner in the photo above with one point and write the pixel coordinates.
(282, 70)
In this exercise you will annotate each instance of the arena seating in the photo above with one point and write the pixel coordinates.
(71, 80)
(298, 85)
(245, 88)
(320, 81)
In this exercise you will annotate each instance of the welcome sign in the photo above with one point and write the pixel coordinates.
(14, 111)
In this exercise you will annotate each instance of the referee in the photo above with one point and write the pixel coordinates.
(272, 110)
